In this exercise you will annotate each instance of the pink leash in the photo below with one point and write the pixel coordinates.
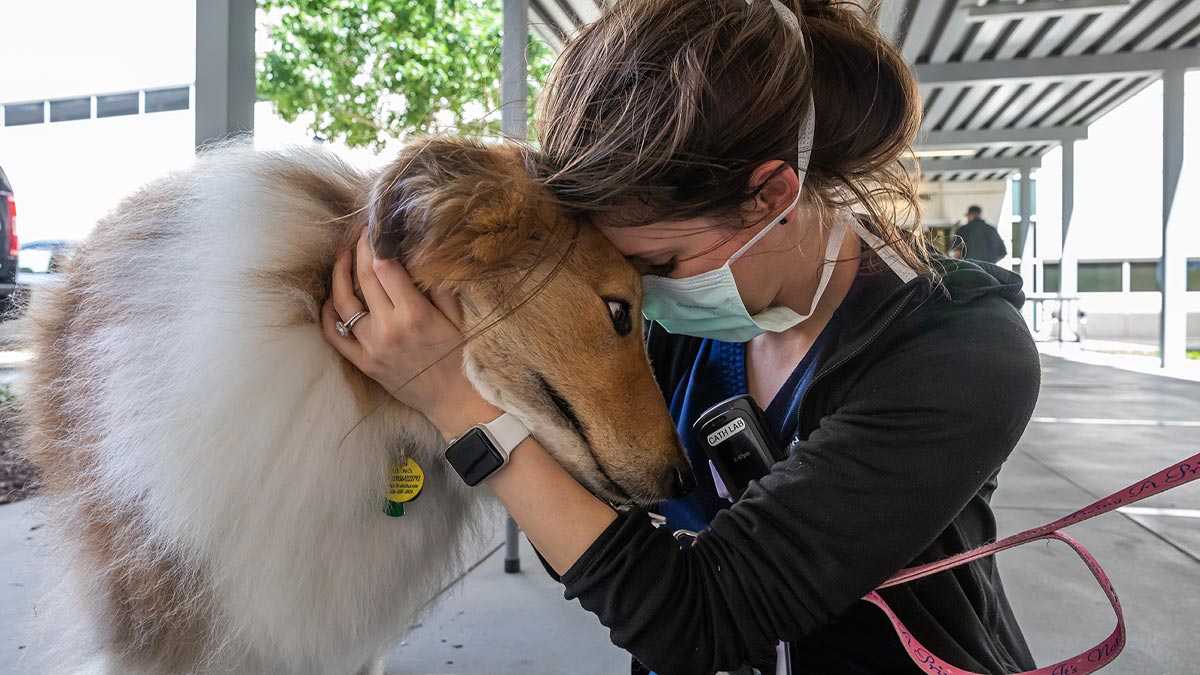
(1087, 662)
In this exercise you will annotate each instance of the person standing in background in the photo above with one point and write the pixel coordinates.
(977, 240)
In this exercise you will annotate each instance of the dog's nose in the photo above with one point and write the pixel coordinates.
(682, 481)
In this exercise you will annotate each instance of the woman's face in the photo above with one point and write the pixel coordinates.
(685, 248)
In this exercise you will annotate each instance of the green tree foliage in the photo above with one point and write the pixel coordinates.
(371, 70)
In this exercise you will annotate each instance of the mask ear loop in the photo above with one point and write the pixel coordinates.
(804, 141)
(808, 127)
(804, 156)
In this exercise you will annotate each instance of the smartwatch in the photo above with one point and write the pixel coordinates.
(484, 448)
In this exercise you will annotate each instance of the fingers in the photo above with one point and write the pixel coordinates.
(377, 298)
(399, 286)
(344, 301)
(347, 347)
(449, 305)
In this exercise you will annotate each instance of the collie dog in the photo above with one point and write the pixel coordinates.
(215, 473)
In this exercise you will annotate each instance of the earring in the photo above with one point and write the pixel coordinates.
(783, 221)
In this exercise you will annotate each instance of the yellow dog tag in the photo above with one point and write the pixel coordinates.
(404, 484)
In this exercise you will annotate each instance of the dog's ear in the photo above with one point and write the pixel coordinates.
(456, 210)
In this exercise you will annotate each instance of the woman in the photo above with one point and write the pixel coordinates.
(900, 384)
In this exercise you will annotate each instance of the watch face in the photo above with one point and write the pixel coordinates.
(474, 457)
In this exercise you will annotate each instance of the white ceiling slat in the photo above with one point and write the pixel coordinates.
(1022, 98)
(554, 15)
(1024, 32)
(1181, 13)
(970, 102)
(1112, 97)
(951, 36)
(1186, 36)
(918, 30)
(1058, 32)
(1064, 98)
(987, 34)
(1042, 99)
(1068, 108)
(1136, 86)
(587, 10)
(937, 110)
(1183, 35)
(1136, 24)
(1095, 29)
(546, 33)
(989, 109)
(551, 29)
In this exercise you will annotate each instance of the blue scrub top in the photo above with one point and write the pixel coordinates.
(718, 373)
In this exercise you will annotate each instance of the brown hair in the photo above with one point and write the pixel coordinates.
(670, 105)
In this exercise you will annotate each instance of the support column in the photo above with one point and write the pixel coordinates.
(225, 71)
(1068, 270)
(1025, 209)
(514, 124)
(514, 87)
(1172, 338)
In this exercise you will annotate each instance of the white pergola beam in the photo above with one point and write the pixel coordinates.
(514, 86)
(1068, 275)
(1172, 336)
(972, 137)
(1028, 239)
(225, 79)
(514, 125)
(929, 166)
(1042, 8)
(979, 73)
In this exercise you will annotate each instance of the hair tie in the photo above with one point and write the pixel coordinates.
(808, 126)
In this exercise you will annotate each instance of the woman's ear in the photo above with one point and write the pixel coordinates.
(774, 185)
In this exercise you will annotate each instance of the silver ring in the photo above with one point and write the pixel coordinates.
(344, 327)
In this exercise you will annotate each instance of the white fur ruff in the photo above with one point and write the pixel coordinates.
(229, 428)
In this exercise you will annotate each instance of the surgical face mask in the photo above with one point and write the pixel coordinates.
(709, 305)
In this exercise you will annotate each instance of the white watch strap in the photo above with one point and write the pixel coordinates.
(508, 432)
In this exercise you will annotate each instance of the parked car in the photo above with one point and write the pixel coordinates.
(39, 263)
(8, 243)
(44, 257)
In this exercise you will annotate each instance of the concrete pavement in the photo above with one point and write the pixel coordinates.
(1095, 430)
(488, 622)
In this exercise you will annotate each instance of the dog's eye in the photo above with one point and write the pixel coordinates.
(619, 311)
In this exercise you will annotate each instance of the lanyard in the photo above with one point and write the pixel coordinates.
(1087, 662)
(1082, 664)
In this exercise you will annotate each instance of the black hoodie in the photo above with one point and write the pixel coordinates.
(917, 403)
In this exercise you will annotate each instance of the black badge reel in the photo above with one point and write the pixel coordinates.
(740, 449)
(739, 446)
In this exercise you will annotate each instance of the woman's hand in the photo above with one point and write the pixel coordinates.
(407, 343)
(404, 333)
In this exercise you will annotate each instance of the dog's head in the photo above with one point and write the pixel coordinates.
(552, 310)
